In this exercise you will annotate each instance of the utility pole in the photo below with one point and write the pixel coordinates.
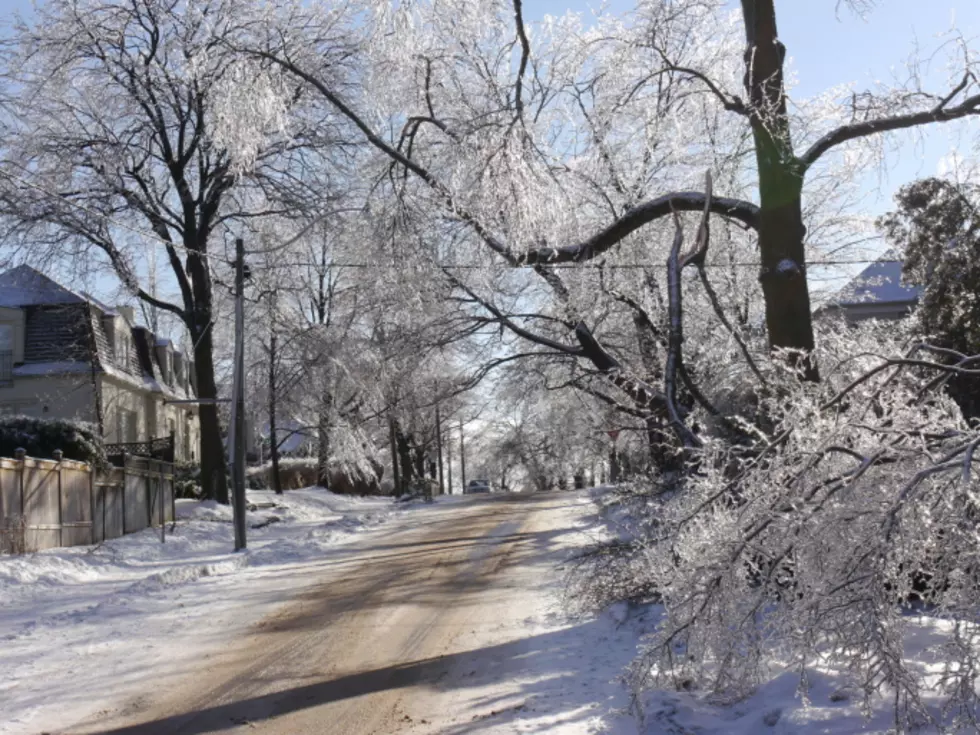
(442, 486)
(462, 455)
(273, 434)
(449, 459)
(395, 474)
(238, 413)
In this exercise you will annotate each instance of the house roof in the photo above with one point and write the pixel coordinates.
(57, 332)
(66, 332)
(879, 283)
(24, 286)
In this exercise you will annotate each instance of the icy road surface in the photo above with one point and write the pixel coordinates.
(446, 620)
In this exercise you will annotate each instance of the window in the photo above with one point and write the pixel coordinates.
(6, 353)
(122, 347)
(127, 429)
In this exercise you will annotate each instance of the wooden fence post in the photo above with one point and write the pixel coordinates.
(163, 507)
(21, 456)
(57, 454)
(123, 498)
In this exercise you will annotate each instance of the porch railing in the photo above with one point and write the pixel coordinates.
(160, 448)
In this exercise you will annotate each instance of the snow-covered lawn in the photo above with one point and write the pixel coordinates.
(111, 618)
(831, 706)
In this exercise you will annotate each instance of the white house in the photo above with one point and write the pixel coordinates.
(66, 355)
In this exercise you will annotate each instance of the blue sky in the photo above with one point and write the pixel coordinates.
(828, 48)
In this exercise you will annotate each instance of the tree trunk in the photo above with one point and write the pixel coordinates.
(323, 442)
(449, 460)
(462, 457)
(199, 317)
(418, 460)
(442, 483)
(404, 458)
(396, 489)
(273, 435)
(214, 468)
(660, 443)
(613, 465)
(781, 230)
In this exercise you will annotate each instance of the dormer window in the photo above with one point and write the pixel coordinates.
(6, 353)
(123, 347)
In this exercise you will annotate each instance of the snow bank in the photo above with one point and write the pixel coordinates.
(112, 617)
(830, 704)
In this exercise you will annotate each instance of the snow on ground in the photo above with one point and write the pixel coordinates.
(832, 706)
(88, 628)
(531, 666)
(86, 620)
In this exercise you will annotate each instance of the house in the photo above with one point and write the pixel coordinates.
(295, 438)
(876, 293)
(66, 355)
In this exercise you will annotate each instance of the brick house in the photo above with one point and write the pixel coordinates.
(66, 355)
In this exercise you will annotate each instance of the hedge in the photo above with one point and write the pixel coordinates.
(41, 437)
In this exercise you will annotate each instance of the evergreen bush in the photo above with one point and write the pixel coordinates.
(41, 437)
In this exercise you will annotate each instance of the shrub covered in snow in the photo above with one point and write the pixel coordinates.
(805, 547)
(187, 479)
(41, 437)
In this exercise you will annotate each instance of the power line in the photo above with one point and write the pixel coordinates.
(377, 266)
(100, 215)
(563, 266)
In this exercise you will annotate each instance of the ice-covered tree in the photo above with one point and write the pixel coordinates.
(936, 228)
(520, 134)
(132, 127)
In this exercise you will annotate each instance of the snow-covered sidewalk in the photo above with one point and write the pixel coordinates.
(103, 622)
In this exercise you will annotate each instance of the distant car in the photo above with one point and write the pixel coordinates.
(477, 486)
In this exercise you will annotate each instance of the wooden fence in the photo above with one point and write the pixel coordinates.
(47, 503)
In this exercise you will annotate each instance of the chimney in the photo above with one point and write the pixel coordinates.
(109, 325)
(179, 375)
(164, 351)
(128, 313)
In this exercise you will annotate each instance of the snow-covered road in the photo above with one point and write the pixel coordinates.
(444, 620)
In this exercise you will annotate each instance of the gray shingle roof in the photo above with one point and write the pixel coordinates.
(24, 286)
(881, 283)
(57, 333)
(61, 328)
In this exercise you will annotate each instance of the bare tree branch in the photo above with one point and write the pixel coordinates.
(938, 114)
(525, 55)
